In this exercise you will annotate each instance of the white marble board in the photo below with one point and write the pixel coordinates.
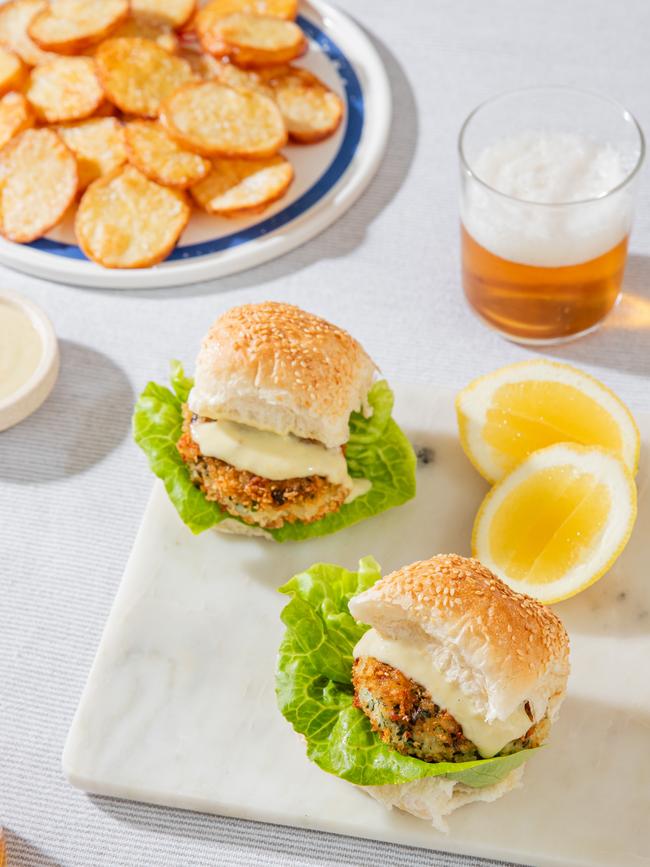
(179, 708)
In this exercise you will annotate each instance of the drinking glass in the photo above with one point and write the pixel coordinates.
(548, 182)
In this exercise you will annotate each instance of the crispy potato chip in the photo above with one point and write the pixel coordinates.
(127, 221)
(71, 26)
(232, 75)
(160, 158)
(311, 111)
(237, 188)
(138, 75)
(39, 181)
(15, 18)
(217, 9)
(13, 72)
(143, 27)
(16, 115)
(173, 12)
(64, 89)
(216, 120)
(253, 40)
(98, 145)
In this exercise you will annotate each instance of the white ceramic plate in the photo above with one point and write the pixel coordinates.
(330, 176)
(180, 709)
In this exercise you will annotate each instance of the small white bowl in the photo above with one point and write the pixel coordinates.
(31, 394)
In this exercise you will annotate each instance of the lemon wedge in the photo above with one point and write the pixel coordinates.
(557, 522)
(507, 415)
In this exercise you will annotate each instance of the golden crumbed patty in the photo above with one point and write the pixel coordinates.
(266, 502)
(405, 716)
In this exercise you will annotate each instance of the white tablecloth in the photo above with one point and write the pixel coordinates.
(73, 485)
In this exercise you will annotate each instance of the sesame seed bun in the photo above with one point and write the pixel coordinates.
(501, 647)
(274, 366)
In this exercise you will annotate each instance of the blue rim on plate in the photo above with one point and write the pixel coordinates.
(338, 166)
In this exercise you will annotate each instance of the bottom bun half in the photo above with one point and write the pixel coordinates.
(433, 798)
(236, 528)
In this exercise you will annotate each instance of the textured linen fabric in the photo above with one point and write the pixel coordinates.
(73, 486)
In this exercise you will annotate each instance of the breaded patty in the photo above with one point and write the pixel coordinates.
(266, 502)
(405, 716)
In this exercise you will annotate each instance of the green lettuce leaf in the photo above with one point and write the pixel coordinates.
(157, 425)
(377, 450)
(315, 694)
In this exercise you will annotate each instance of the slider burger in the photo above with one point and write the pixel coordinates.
(267, 420)
(457, 674)
(284, 425)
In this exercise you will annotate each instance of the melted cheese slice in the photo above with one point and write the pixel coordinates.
(489, 738)
(271, 455)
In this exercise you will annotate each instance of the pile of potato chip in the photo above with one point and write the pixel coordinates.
(112, 107)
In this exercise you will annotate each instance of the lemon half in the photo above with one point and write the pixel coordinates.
(557, 522)
(507, 415)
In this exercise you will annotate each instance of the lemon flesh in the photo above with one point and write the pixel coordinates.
(549, 524)
(530, 415)
(511, 413)
(557, 522)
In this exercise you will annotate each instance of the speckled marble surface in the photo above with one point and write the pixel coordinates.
(180, 709)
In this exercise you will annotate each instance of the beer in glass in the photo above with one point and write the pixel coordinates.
(548, 178)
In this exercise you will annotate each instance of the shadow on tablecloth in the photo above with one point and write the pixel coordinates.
(20, 853)
(87, 415)
(623, 341)
(225, 841)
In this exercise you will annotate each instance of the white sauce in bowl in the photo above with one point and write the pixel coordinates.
(21, 348)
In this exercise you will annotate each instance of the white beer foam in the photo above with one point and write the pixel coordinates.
(543, 168)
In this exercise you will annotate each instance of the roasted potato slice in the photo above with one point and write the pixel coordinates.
(13, 71)
(248, 79)
(236, 188)
(72, 26)
(125, 220)
(138, 75)
(16, 115)
(311, 111)
(39, 182)
(98, 145)
(160, 158)
(216, 120)
(65, 89)
(143, 27)
(217, 9)
(176, 13)
(253, 40)
(15, 18)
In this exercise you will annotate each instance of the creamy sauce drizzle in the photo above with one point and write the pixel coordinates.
(273, 456)
(359, 488)
(21, 348)
(489, 738)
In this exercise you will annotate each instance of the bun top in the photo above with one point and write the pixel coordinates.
(501, 647)
(274, 366)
